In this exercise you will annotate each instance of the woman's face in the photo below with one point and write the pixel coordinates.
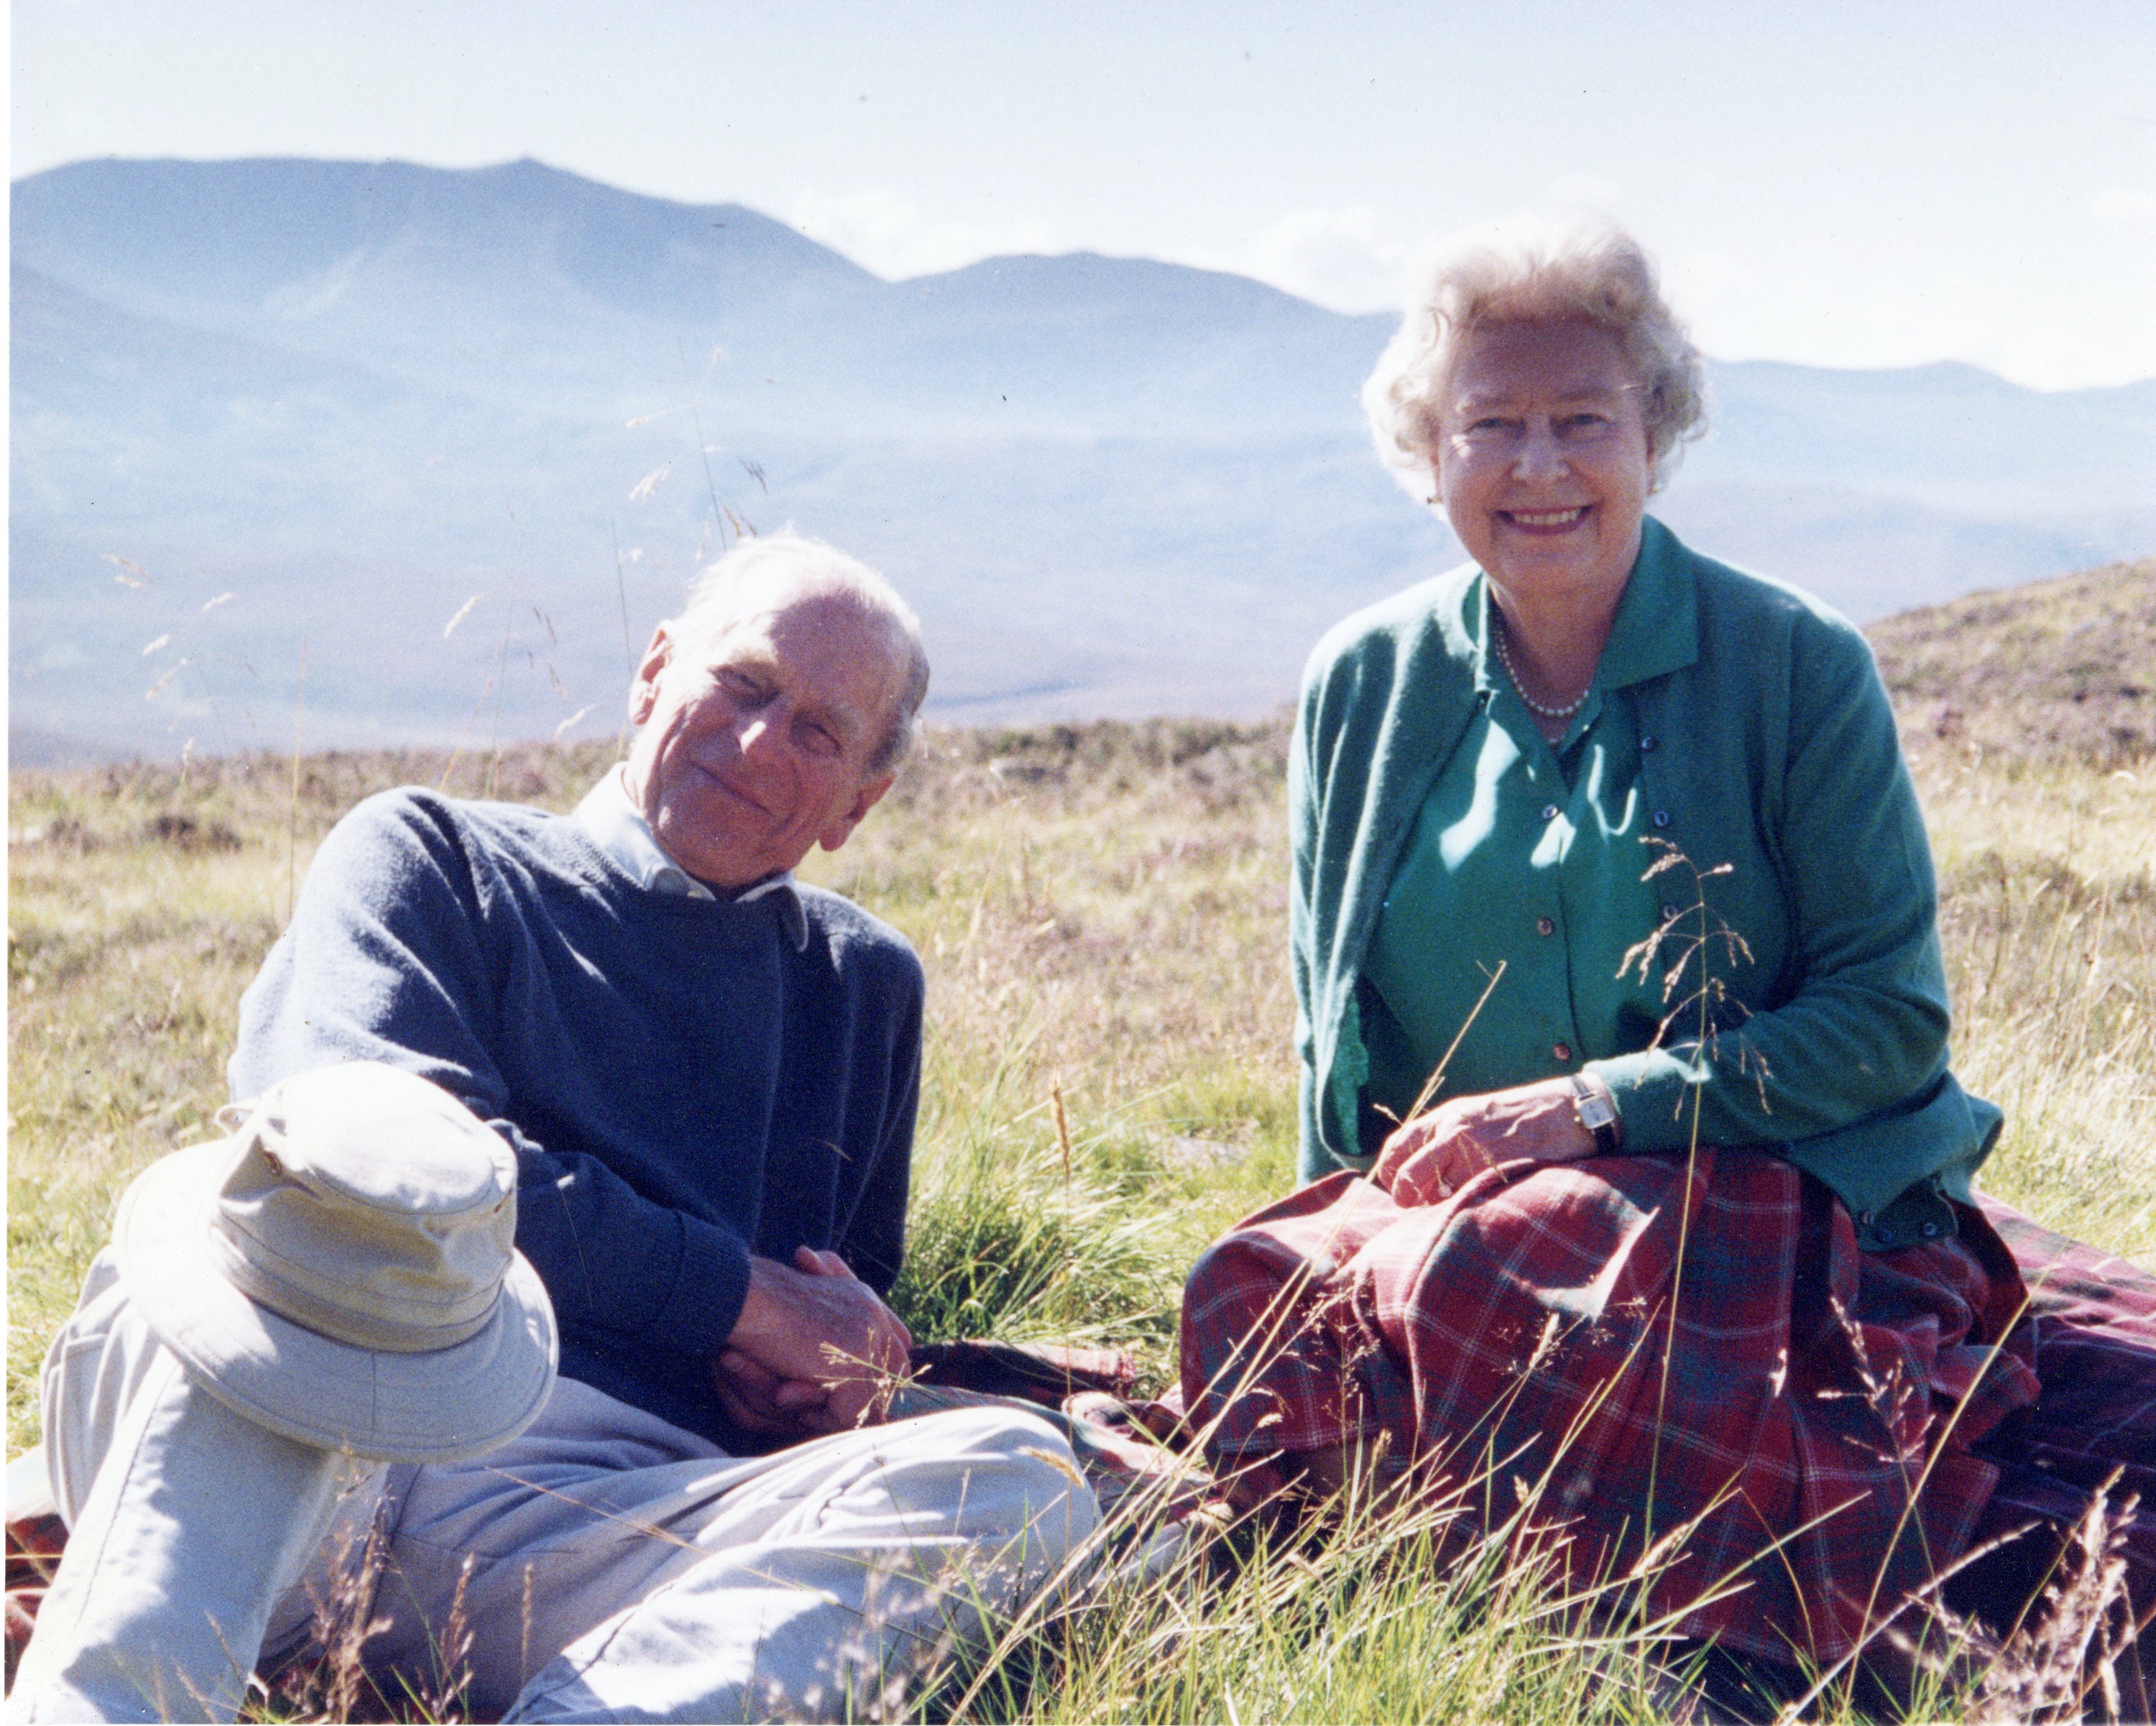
(1541, 460)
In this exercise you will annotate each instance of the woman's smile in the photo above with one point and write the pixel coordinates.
(1543, 462)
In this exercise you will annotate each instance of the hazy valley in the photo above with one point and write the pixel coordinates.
(354, 397)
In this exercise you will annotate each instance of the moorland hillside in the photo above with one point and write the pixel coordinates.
(2060, 669)
(1100, 909)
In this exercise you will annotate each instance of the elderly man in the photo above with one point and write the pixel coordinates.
(707, 1073)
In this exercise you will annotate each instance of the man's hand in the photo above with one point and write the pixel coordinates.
(813, 1352)
(1434, 1155)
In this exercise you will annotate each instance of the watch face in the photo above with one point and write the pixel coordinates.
(1597, 1113)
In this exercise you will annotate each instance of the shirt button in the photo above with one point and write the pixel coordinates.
(1544, 926)
(1563, 1052)
(1662, 817)
(1549, 812)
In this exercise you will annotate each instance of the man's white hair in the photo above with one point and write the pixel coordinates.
(1531, 269)
(723, 589)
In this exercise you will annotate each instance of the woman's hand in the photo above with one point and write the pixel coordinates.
(1434, 1155)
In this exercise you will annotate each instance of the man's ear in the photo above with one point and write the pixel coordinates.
(644, 692)
(840, 830)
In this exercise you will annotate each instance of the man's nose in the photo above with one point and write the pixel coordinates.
(757, 733)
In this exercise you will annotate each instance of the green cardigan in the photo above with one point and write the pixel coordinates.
(1767, 746)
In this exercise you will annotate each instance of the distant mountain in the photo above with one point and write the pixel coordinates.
(354, 397)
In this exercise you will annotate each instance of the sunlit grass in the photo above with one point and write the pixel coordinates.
(2048, 917)
(1108, 1084)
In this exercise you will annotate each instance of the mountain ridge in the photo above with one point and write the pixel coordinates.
(366, 392)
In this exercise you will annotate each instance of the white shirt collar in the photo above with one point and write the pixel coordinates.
(613, 823)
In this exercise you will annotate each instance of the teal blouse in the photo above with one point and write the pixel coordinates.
(1740, 722)
(1554, 840)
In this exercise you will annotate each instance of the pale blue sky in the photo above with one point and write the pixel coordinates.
(1842, 184)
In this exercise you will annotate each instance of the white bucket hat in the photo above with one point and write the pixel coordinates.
(343, 1270)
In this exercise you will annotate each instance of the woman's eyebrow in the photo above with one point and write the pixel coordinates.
(1586, 390)
(1482, 399)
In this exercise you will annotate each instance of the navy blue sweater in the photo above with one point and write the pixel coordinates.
(683, 1087)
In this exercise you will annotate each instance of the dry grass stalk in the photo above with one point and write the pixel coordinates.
(1136, 963)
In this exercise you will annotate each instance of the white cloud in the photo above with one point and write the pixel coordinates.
(1583, 192)
(1350, 260)
(888, 235)
(1714, 289)
(2123, 204)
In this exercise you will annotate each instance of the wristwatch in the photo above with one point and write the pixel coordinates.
(1597, 1113)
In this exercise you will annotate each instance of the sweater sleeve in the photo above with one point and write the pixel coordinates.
(874, 1240)
(1861, 1027)
(386, 960)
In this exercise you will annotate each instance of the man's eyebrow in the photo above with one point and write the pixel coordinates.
(831, 714)
(749, 659)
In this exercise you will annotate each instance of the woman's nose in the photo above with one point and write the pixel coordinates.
(1541, 456)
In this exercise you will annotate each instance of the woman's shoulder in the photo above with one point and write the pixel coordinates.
(1770, 661)
(1739, 600)
(1430, 613)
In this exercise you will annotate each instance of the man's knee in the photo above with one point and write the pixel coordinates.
(337, 1278)
(999, 1471)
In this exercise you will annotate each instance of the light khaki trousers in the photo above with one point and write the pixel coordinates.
(610, 1567)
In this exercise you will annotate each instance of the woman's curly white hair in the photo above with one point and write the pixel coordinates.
(1532, 269)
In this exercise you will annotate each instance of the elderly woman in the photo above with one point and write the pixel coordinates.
(1618, 983)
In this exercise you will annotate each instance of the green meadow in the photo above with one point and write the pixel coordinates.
(1101, 910)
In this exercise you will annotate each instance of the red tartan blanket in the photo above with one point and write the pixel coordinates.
(2091, 1335)
(1632, 1346)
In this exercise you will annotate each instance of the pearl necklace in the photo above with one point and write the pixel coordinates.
(1519, 689)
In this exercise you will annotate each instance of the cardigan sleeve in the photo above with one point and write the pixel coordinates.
(1858, 1027)
(1303, 800)
(386, 960)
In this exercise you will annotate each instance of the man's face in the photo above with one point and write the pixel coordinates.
(755, 741)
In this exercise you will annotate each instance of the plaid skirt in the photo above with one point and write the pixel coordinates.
(1681, 1381)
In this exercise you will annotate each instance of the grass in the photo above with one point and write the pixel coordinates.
(2048, 916)
(1100, 910)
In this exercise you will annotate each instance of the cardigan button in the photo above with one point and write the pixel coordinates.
(1549, 812)
(1543, 925)
(1563, 1052)
(1662, 817)
(1647, 745)
(1930, 1229)
(1867, 1217)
